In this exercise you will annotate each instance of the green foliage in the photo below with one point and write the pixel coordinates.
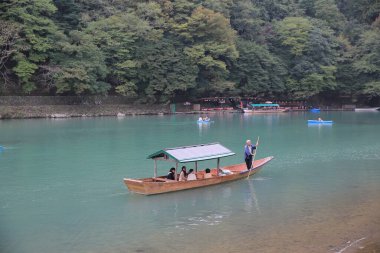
(327, 10)
(257, 71)
(372, 89)
(68, 13)
(211, 46)
(367, 63)
(163, 50)
(246, 20)
(164, 70)
(81, 66)
(294, 33)
(117, 37)
(36, 35)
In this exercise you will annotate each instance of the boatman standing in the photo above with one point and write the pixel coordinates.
(248, 153)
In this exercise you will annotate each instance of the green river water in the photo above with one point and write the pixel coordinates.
(61, 187)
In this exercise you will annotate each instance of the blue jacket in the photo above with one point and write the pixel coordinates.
(248, 154)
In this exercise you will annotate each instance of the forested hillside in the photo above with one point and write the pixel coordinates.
(164, 50)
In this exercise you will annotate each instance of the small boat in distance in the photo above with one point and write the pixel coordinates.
(372, 109)
(264, 108)
(315, 110)
(320, 122)
(203, 121)
(192, 154)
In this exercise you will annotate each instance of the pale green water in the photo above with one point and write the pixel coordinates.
(61, 184)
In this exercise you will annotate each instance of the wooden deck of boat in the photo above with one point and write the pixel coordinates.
(158, 185)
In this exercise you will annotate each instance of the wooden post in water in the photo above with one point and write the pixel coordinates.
(155, 168)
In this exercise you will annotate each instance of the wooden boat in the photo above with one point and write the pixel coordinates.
(159, 184)
(265, 108)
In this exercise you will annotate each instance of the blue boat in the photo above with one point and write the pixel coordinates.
(315, 110)
(1, 148)
(319, 121)
(203, 121)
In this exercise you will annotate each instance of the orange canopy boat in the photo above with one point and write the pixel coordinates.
(187, 154)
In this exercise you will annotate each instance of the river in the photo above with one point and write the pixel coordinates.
(61, 187)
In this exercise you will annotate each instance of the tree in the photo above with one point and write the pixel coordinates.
(118, 37)
(68, 14)
(279, 9)
(36, 36)
(79, 66)
(257, 71)
(310, 54)
(293, 33)
(211, 46)
(246, 20)
(9, 36)
(367, 62)
(164, 70)
(327, 10)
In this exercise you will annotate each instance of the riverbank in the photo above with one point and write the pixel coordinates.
(118, 110)
(24, 107)
(68, 111)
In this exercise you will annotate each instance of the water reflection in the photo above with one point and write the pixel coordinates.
(253, 201)
(203, 127)
(193, 209)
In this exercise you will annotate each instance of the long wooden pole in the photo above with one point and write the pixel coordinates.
(175, 175)
(217, 166)
(254, 155)
(155, 168)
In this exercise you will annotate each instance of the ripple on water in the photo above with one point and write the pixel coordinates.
(261, 178)
(205, 218)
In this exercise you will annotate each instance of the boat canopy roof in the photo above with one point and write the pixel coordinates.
(265, 105)
(193, 153)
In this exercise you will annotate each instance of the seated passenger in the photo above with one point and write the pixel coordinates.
(200, 119)
(171, 174)
(183, 174)
(320, 119)
(191, 176)
(208, 173)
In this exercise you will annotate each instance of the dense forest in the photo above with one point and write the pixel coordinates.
(166, 50)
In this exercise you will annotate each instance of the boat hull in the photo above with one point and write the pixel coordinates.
(265, 111)
(320, 122)
(151, 186)
(375, 109)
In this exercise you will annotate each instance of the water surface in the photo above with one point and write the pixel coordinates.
(61, 186)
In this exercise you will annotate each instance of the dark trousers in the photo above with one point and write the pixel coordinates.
(248, 161)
